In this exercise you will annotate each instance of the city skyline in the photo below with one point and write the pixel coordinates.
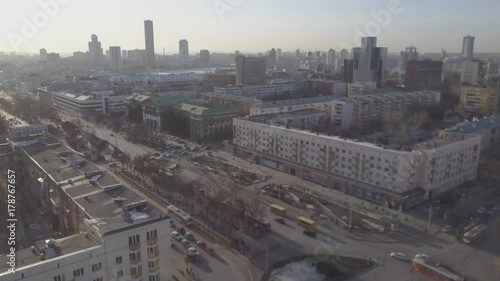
(222, 26)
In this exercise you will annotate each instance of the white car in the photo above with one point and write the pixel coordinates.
(481, 210)
(193, 252)
(176, 235)
(399, 256)
(423, 256)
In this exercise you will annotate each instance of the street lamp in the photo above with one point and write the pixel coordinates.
(430, 215)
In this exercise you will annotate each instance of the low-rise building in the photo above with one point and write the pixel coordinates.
(108, 232)
(395, 177)
(261, 91)
(27, 131)
(87, 104)
(155, 78)
(322, 103)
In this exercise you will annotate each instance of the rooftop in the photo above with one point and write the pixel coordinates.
(477, 126)
(203, 111)
(291, 114)
(168, 100)
(67, 245)
(294, 102)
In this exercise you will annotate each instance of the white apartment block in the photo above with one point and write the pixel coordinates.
(303, 118)
(392, 177)
(84, 105)
(109, 232)
(265, 90)
(156, 78)
(342, 113)
(488, 128)
(322, 103)
(357, 88)
(384, 105)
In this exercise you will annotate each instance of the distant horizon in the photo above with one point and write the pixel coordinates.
(253, 25)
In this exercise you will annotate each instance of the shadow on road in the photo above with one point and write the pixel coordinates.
(285, 240)
(220, 259)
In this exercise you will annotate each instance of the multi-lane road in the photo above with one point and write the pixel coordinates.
(481, 262)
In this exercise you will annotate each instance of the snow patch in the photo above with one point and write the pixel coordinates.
(297, 271)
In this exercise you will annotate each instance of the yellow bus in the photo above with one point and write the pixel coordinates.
(277, 209)
(306, 223)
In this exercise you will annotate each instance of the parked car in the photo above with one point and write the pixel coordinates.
(399, 256)
(202, 245)
(189, 236)
(310, 233)
(172, 224)
(185, 243)
(211, 252)
(176, 235)
(280, 220)
(192, 251)
(423, 256)
(481, 210)
(181, 230)
(447, 229)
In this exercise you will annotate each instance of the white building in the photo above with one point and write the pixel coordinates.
(468, 69)
(382, 175)
(261, 91)
(342, 113)
(85, 105)
(27, 130)
(111, 232)
(301, 119)
(356, 88)
(323, 103)
(488, 128)
(156, 78)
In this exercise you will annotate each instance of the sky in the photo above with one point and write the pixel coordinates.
(65, 26)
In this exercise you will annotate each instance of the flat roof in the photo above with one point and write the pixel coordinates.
(203, 111)
(294, 102)
(477, 126)
(295, 113)
(67, 245)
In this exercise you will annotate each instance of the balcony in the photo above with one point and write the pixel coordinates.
(136, 276)
(152, 255)
(154, 270)
(152, 242)
(135, 261)
(134, 247)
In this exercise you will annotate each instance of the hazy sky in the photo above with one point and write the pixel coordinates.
(249, 25)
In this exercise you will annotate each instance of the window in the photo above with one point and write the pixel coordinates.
(135, 256)
(78, 272)
(98, 279)
(119, 274)
(119, 260)
(59, 278)
(151, 235)
(134, 240)
(96, 267)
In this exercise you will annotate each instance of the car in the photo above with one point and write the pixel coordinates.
(192, 251)
(211, 252)
(310, 233)
(112, 164)
(172, 224)
(185, 243)
(491, 212)
(280, 220)
(399, 256)
(423, 256)
(447, 229)
(202, 245)
(481, 210)
(189, 236)
(176, 235)
(181, 230)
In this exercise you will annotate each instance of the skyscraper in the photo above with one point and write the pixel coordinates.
(150, 42)
(95, 50)
(468, 47)
(371, 61)
(183, 49)
(344, 54)
(409, 54)
(250, 70)
(273, 57)
(423, 75)
(279, 53)
(115, 56)
(43, 54)
(204, 57)
(330, 61)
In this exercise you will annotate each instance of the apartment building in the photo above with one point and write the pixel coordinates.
(395, 177)
(107, 232)
(301, 119)
(261, 91)
(87, 104)
(342, 113)
(322, 103)
(250, 70)
(488, 128)
(155, 78)
(357, 88)
(479, 101)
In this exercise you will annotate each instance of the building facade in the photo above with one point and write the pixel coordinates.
(479, 101)
(423, 75)
(391, 177)
(86, 105)
(274, 107)
(261, 91)
(250, 70)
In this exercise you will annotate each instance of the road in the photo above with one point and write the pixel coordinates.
(283, 241)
